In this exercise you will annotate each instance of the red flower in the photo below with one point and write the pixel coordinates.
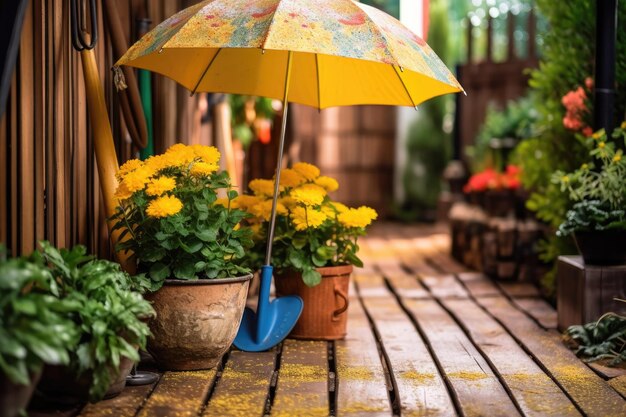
(587, 131)
(589, 83)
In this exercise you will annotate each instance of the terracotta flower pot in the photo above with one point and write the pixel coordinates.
(15, 397)
(61, 385)
(325, 315)
(196, 321)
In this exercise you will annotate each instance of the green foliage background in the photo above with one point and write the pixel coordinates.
(568, 58)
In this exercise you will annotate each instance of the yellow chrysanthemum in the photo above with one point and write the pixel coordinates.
(245, 201)
(327, 183)
(565, 179)
(601, 145)
(137, 179)
(164, 206)
(309, 195)
(623, 125)
(158, 162)
(340, 207)
(360, 217)
(122, 192)
(308, 171)
(129, 166)
(262, 187)
(224, 202)
(307, 218)
(584, 167)
(203, 169)
(288, 202)
(160, 185)
(290, 178)
(179, 155)
(617, 157)
(208, 154)
(263, 210)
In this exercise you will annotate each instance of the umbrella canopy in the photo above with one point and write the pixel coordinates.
(344, 53)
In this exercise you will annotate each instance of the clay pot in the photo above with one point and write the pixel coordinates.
(61, 385)
(196, 321)
(325, 315)
(15, 397)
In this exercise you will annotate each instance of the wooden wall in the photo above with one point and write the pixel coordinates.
(48, 182)
(489, 82)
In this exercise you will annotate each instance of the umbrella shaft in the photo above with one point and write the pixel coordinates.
(281, 145)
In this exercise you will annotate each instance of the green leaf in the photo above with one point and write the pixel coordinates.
(232, 194)
(296, 258)
(206, 235)
(299, 242)
(185, 270)
(159, 271)
(311, 277)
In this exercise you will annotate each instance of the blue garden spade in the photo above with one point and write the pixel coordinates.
(273, 320)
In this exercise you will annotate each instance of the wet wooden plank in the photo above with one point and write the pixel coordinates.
(607, 372)
(478, 284)
(519, 289)
(361, 381)
(179, 394)
(535, 392)
(445, 263)
(370, 285)
(421, 389)
(444, 286)
(302, 388)
(475, 386)
(124, 405)
(407, 286)
(540, 310)
(243, 388)
(619, 385)
(590, 392)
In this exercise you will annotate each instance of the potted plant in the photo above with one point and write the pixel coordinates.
(109, 314)
(33, 330)
(315, 245)
(598, 218)
(495, 191)
(189, 245)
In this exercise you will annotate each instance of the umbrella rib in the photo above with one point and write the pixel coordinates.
(319, 93)
(404, 85)
(205, 71)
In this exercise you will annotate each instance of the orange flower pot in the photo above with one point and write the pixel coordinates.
(325, 315)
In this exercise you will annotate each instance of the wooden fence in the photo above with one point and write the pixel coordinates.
(48, 183)
(491, 82)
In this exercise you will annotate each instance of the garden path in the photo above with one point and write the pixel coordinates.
(425, 337)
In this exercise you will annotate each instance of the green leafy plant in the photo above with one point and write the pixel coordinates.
(602, 339)
(598, 186)
(311, 230)
(109, 315)
(34, 328)
(173, 220)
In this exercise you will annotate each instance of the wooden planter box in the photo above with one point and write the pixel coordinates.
(586, 292)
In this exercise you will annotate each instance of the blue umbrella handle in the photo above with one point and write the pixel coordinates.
(263, 322)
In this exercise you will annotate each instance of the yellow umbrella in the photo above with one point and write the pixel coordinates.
(320, 53)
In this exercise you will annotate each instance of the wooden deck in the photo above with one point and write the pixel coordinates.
(425, 338)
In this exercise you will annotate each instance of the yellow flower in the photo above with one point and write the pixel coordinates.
(208, 154)
(158, 162)
(137, 179)
(262, 187)
(203, 169)
(263, 210)
(623, 125)
(179, 155)
(341, 208)
(223, 202)
(164, 206)
(244, 202)
(565, 179)
(290, 178)
(288, 202)
(601, 145)
(129, 166)
(307, 218)
(360, 217)
(308, 171)
(617, 157)
(160, 185)
(122, 192)
(597, 135)
(327, 183)
(584, 167)
(309, 195)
